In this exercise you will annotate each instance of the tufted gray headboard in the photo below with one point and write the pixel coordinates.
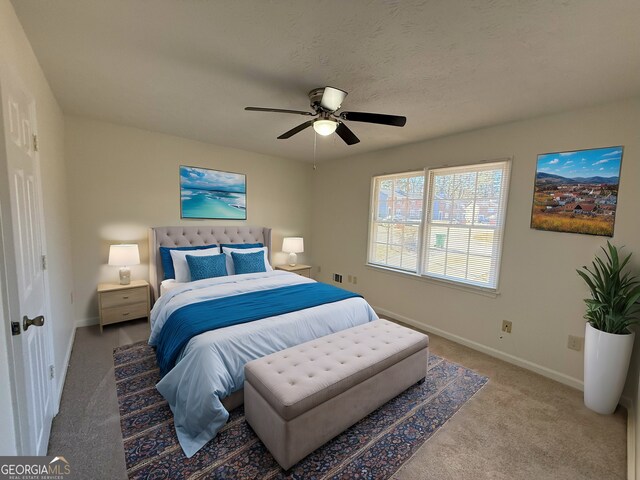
(197, 235)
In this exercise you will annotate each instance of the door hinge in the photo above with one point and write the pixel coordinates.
(52, 372)
(15, 328)
(35, 142)
(44, 262)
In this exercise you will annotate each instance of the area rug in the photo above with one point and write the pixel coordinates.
(374, 448)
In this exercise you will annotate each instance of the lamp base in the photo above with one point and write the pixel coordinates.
(293, 258)
(125, 276)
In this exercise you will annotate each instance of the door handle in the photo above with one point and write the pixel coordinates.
(36, 322)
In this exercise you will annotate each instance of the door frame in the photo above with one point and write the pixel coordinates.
(8, 274)
(8, 405)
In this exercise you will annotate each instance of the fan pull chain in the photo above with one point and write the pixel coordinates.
(315, 139)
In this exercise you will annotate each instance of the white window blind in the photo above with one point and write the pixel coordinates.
(396, 220)
(464, 223)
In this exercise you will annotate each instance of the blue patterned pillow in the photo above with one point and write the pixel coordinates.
(167, 261)
(209, 266)
(248, 262)
(242, 245)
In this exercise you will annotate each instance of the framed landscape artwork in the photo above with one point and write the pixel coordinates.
(577, 192)
(212, 194)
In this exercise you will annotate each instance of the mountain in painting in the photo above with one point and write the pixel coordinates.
(543, 178)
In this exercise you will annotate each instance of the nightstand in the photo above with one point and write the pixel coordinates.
(303, 270)
(119, 303)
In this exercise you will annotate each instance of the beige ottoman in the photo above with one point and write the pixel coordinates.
(298, 399)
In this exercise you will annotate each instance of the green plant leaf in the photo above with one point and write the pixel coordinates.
(615, 294)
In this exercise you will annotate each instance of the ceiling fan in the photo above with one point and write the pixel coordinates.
(325, 101)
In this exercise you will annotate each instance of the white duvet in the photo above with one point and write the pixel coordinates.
(211, 367)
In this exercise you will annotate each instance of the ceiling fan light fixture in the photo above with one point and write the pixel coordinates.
(325, 127)
(325, 102)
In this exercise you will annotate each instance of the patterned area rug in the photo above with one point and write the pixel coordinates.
(374, 448)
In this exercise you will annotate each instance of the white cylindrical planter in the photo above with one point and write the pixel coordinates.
(606, 361)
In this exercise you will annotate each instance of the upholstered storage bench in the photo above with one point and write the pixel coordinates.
(298, 399)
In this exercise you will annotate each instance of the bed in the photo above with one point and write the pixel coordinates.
(206, 380)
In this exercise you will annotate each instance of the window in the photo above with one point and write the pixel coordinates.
(396, 220)
(457, 237)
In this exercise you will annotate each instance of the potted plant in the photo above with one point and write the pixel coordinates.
(611, 311)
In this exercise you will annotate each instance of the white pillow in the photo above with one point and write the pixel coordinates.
(167, 285)
(180, 265)
(230, 268)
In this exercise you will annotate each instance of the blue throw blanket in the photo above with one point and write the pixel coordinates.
(191, 320)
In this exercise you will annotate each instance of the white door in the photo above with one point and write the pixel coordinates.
(32, 348)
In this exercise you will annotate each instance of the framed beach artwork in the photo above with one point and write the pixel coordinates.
(212, 194)
(577, 191)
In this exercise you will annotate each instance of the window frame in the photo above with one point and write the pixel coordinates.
(423, 226)
(373, 221)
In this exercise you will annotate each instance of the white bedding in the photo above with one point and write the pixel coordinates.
(168, 284)
(211, 366)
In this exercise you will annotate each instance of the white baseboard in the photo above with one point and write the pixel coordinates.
(520, 362)
(65, 366)
(87, 322)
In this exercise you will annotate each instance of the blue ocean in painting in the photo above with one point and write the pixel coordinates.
(212, 194)
(213, 204)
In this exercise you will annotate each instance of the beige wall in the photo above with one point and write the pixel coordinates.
(123, 180)
(540, 291)
(16, 54)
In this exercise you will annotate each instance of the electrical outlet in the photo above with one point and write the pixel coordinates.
(337, 278)
(575, 343)
(506, 326)
(319, 269)
(349, 279)
(355, 280)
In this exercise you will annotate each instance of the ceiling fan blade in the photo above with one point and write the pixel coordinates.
(393, 120)
(277, 110)
(295, 130)
(332, 98)
(346, 134)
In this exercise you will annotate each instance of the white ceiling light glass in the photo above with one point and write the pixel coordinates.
(325, 127)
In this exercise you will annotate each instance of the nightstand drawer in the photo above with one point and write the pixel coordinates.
(124, 297)
(125, 312)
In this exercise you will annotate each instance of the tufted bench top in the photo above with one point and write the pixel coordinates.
(299, 378)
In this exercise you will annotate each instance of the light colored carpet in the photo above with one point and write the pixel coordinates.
(519, 426)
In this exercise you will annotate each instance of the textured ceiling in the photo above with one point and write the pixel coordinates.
(189, 67)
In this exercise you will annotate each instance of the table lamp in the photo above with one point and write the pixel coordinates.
(293, 245)
(124, 256)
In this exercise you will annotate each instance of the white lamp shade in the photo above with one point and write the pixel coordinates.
(124, 255)
(325, 127)
(293, 245)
